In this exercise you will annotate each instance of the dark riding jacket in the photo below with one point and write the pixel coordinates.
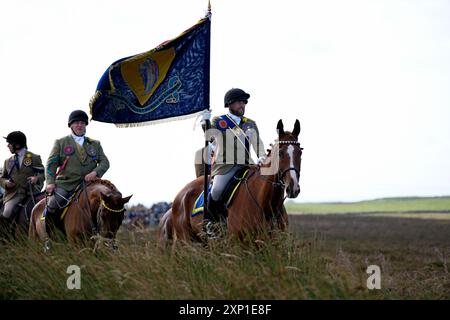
(31, 166)
(68, 162)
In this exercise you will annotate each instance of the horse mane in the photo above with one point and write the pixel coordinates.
(106, 183)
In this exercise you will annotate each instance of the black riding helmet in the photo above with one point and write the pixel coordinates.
(78, 115)
(234, 95)
(17, 138)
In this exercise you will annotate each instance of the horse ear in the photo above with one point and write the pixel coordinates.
(280, 127)
(125, 200)
(105, 196)
(296, 128)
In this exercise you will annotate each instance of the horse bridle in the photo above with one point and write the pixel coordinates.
(279, 181)
(103, 203)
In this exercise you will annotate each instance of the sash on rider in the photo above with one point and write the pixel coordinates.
(225, 122)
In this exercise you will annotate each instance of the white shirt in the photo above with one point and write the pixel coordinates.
(79, 140)
(21, 154)
(235, 118)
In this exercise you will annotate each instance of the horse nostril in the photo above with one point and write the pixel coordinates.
(293, 192)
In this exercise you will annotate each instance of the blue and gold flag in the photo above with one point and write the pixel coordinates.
(165, 83)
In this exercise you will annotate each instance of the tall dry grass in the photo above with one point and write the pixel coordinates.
(321, 258)
(285, 268)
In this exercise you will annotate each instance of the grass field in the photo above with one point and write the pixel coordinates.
(387, 205)
(322, 257)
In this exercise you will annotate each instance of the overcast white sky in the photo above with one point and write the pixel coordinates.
(369, 81)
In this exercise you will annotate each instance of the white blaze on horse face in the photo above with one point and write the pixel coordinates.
(292, 172)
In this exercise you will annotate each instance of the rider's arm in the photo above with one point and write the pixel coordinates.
(53, 162)
(102, 162)
(38, 168)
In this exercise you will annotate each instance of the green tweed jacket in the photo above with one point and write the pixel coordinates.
(68, 162)
(31, 166)
(229, 151)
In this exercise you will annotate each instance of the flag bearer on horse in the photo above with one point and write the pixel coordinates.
(74, 159)
(22, 176)
(234, 134)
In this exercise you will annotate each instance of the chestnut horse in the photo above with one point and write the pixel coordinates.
(98, 209)
(257, 206)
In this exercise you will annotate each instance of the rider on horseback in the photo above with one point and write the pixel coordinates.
(22, 173)
(235, 134)
(74, 158)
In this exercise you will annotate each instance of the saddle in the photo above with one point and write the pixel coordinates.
(228, 193)
(57, 218)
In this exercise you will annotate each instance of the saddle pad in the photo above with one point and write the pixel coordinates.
(228, 194)
(73, 196)
(200, 202)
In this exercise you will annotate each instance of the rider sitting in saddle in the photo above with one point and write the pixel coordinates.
(22, 174)
(74, 158)
(234, 134)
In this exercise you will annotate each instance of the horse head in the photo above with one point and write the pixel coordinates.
(111, 212)
(289, 158)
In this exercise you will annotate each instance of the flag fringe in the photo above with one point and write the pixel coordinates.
(152, 122)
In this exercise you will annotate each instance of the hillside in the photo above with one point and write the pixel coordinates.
(384, 205)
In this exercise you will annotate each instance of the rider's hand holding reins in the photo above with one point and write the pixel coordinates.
(50, 188)
(90, 176)
(32, 179)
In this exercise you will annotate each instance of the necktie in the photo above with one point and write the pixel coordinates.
(16, 161)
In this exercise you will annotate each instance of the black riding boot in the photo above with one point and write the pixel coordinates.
(216, 209)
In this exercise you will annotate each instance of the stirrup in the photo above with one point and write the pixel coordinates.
(47, 245)
(213, 230)
(210, 230)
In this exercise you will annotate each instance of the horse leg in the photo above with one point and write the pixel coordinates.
(283, 219)
(32, 232)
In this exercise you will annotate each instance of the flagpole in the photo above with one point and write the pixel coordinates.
(206, 159)
(206, 153)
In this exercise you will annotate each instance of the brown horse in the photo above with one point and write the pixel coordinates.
(257, 206)
(97, 209)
